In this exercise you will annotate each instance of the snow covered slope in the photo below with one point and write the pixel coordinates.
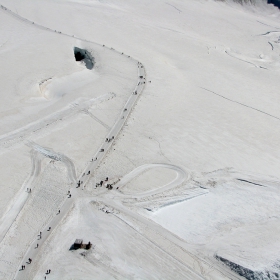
(212, 104)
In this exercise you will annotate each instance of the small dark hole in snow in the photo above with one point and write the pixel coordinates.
(79, 56)
(85, 56)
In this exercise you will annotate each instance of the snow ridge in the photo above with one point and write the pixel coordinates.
(249, 274)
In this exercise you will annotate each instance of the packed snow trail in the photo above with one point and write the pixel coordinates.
(113, 133)
(33, 249)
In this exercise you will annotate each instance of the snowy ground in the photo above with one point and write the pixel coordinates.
(195, 159)
(236, 219)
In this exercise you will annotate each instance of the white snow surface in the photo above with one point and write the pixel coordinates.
(194, 162)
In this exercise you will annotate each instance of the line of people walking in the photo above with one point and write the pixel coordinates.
(37, 245)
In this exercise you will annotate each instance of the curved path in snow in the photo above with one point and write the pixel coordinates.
(49, 153)
(180, 178)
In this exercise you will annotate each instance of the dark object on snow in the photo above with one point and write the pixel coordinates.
(85, 56)
(79, 245)
(88, 246)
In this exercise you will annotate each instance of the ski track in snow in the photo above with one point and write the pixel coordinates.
(20, 199)
(174, 7)
(247, 106)
(271, 45)
(255, 65)
(17, 136)
(268, 25)
(268, 32)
